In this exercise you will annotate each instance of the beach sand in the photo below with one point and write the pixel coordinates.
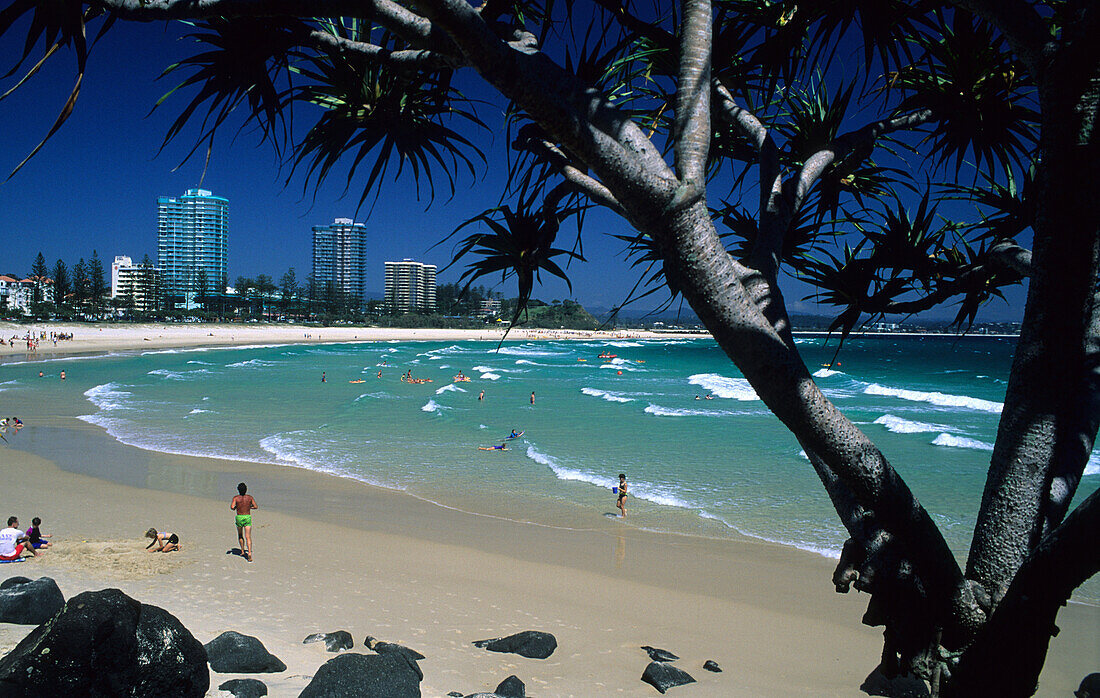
(334, 554)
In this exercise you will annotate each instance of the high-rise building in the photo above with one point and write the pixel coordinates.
(121, 261)
(410, 286)
(339, 259)
(193, 237)
(140, 285)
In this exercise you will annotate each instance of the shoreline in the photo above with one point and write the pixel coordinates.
(435, 578)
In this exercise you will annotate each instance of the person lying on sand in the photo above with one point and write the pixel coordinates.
(165, 542)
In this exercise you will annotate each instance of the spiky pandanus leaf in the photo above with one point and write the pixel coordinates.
(981, 99)
(247, 65)
(60, 23)
(376, 113)
(519, 243)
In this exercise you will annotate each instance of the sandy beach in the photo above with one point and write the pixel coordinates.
(334, 554)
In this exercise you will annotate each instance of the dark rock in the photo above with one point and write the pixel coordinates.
(1089, 688)
(103, 643)
(12, 581)
(354, 675)
(334, 642)
(454, 694)
(387, 647)
(711, 665)
(245, 688)
(663, 676)
(659, 655)
(511, 687)
(233, 653)
(30, 603)
(529, 643)
(877, 684)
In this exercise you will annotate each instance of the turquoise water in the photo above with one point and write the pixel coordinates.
(717, 467)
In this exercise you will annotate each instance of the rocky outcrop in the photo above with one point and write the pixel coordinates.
(334, 642)
(711, 665)
(659, 655)
(663, 676)
(103, 643)
(233, 653)
(529, 643)
(12, 581)
(244, 688)
(354, 675)
(27, 602)
(389, 647)
(511, 687)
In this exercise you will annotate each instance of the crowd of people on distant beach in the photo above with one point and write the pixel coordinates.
(33, 338)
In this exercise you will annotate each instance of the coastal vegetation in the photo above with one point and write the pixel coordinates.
(743, 142)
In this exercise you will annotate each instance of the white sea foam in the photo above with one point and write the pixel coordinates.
(946, 439)
(201, 363)
(490, 376)
(1093, 466)
(449, 388)
(906, 426)
(176, 375)
(490, 369)
(623, 344)
(608, 395)
(639, 490)
(525, 350)
(374, 396)
(526, 362)
(826, 372)
(108, 396)
(252, 363)
(723, 386)
(938, 399)
(198, 411)
(679, 412)
(433, 406)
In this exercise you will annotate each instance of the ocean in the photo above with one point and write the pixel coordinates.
(717, 467)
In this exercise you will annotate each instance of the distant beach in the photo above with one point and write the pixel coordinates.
(337, 553)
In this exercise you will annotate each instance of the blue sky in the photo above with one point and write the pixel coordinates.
(95, 184)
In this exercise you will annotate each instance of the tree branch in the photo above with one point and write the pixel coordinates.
(1011, 648)
(864, 137)
(1010, 255)
(692, 127)
(611, 144)
(412, 58)
(580, 180)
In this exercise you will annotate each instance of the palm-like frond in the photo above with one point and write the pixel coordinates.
(248, 63)
(979, 96)
(374, 110)
(520, 243)
(59, 23)
(1006, 208)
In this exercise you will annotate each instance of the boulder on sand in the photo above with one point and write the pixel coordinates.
(29, 602)
(529, 643)
(659, 655)
(354, 675)
(245, 688)
(387, 647)
(103, 643)
(334, 642)
(664, 676)
(233, 653)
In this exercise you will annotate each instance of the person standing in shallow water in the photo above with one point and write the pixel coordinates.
(243, 504)
(621, 501)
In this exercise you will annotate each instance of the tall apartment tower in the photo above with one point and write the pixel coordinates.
(410, 286)
(339, 258)
(193, 239)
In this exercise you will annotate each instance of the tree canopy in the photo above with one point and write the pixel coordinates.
(898, 155)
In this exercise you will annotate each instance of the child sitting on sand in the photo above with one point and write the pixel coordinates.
(36, 536)
(165, 542)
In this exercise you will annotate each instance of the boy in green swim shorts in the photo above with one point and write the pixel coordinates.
(243, 504)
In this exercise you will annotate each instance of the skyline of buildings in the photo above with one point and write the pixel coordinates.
(410, 285)
(339, 259)
(193, 244)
